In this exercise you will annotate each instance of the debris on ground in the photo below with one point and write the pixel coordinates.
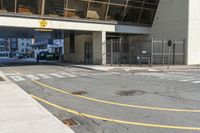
(130, 93)
(79, 92)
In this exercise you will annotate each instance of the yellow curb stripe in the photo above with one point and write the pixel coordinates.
(114, 120)
(115, 103)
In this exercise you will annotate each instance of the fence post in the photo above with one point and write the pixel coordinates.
(184, 52)
(174, 50)
(130, 48)
(120, 48)
(163, 51)
(152, 46)
(111, 50)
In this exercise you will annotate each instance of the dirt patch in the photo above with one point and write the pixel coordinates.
(130, 93)
(79, 93)
(1, 79)
(70, 122)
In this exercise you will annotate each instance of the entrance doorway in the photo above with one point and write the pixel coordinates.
(88, 53)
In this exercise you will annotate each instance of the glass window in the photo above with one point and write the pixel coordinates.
(132, 15)
(118, 1)
(97, 11)
(54, 7)
(29, 6)
(134, 3)
(76, 9)
(100, 1)
(115, 13)
(152, 1)
(7, 5)
(147, 16)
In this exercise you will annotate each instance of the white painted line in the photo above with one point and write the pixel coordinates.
(57, 75)
(32, 77)
(69, 75)
(17, 78)
(44, 76)
(196, 82)
(10, 74)
(189, 79)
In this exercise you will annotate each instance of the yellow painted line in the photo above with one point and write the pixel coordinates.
(10, 69)
(115, 120)
(115, 103)
(109, 102)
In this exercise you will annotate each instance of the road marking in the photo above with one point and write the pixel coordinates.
(57, 75)
(186, 80)
(17, 78)
(70, 75)
(10, 74)
(196, 82)
(11, 69)
(32, 77)
(44, 76)
(115, 120)
(116, 103)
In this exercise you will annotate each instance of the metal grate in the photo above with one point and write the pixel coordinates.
(70, 122)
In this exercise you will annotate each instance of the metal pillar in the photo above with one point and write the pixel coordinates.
(111, 51)
(152, 46)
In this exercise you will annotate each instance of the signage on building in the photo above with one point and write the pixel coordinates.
(43, 23)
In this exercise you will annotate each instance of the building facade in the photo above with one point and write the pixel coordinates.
(92, 29)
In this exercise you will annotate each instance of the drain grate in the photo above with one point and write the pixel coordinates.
(130, 93)
(70, 122)
(1, 79)
(79, 92)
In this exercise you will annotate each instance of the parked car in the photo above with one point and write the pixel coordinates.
(20, 55)
(45, 55)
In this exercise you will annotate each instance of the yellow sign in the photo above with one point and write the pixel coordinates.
(43, 23)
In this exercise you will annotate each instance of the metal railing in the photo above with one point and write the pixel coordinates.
(140, 51)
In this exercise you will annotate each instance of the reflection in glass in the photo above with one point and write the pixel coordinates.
(7, 6)
(115, 13)
(97, 11)
(147, 16)
(76, 9)
(29, 6)
(118, 1)
(54, 7)
(132, 15)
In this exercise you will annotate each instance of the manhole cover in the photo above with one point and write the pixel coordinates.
(79, 92)
(70, 122)
(130, 93)
(1, 79)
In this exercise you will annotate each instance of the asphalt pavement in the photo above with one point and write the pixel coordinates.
(113, 101)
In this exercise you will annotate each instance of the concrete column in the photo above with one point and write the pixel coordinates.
(99, 47)
(66, 45)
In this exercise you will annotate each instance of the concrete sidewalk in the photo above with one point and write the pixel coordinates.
(22, 114)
